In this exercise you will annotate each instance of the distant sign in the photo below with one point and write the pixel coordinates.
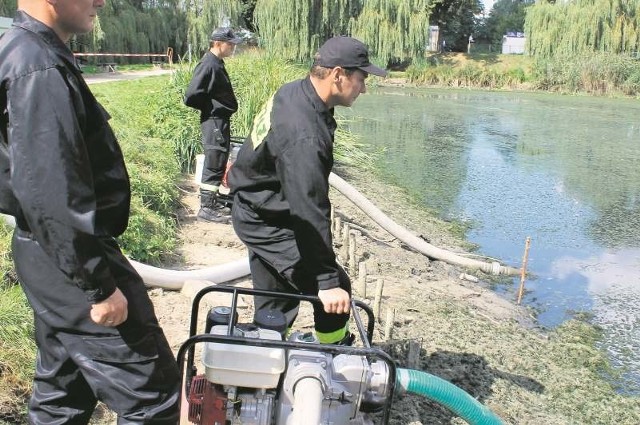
(5, 24)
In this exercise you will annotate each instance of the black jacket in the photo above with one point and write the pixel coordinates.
(282, 172)
(210, 89)
(62, 172)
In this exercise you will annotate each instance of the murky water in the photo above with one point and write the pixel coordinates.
(563, 170)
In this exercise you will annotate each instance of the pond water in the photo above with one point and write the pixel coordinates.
(562, 170)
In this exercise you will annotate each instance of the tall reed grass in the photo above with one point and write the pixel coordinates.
(255, 77)
(595, 73)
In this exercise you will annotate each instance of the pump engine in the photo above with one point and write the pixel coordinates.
(253, 376)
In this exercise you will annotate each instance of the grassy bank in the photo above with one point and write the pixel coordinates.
(150, 238)
(596, 74)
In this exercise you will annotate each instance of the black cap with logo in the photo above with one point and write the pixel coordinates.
(225, 34)
(346, 52)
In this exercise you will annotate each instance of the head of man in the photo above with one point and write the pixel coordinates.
(65, 17)
(339, 71)
(223, 42)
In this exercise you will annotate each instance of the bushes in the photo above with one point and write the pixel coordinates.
(600, 74)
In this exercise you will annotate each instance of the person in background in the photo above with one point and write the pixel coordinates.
(210, 91)
(64, 181)
(281, 190)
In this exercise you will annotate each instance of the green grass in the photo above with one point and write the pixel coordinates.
(596, 74)
(152, 165)
(150, 237)
(255, 77)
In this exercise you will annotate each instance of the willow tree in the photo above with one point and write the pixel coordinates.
(8, 8)
(205, 15)
(295, 29)
(137, 26)
(394, 29)
(583, 26)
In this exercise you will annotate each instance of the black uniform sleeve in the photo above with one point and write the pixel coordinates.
(301, 169)
(52, 178)
(198, 94)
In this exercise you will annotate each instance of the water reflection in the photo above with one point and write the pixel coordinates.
(562, 170)
(613, 282)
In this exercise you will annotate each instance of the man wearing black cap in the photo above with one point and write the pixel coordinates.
(281, 190)
(210, 92)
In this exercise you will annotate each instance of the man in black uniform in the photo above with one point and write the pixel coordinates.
(210, 92)
(281, 189)
(65, 182)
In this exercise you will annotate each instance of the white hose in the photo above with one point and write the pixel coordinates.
(307, 402)
(174, 279)
(409, 238)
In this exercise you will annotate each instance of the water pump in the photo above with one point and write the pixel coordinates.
(255, 376)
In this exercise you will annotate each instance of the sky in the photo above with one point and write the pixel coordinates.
(488, 4)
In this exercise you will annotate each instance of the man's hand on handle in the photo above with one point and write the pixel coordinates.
(112, 311)
(335, 300)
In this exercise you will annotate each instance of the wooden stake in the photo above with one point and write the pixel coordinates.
(362, 279)
(388, 325)
(378, 298)
(353, 261)
(332, 216)
(344, 250)
(337, 227)
(413, 355)
(523, 270)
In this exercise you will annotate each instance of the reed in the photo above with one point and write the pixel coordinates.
(255, 75)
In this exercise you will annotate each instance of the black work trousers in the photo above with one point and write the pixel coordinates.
(276, 265)
(130, 367)
(216, 138)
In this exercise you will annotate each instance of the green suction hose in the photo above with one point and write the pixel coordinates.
(447, 394)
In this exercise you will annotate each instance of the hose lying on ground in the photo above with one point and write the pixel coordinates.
(446, 394)
(409, 238)
(174, 279)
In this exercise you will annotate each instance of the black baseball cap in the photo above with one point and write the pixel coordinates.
(346, 52)
(225, 34)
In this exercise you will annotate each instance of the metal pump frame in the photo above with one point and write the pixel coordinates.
(366, 336)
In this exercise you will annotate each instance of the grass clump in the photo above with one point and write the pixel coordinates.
(255, 77)
(17, 349)
(152, 165)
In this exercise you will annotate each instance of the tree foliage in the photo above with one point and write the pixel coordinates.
(457, 19)
(137, 26)
(295, 29)
(8, 8)
(583, 26)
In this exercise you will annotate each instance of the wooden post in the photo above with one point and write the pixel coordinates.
(378, 298)
(362, 279)
(353, 261)
(413, 355)
(344, 250)
(523, 270)
(337, 227)
(388, 325)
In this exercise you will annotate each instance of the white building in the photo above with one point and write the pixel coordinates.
(513, 43)
(5, 24)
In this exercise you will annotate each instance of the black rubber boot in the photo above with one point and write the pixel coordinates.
(212, 210)
(348, 340)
